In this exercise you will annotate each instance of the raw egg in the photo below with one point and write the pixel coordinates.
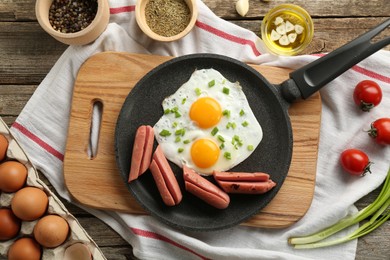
(9, 224)
(51, 231)
(29, 203)
(3, 147)
(13, 176)
(25, 249)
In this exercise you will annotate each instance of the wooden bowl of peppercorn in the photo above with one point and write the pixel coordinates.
(166, 20)
(73, 22)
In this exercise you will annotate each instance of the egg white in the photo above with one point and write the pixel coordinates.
(240, 123)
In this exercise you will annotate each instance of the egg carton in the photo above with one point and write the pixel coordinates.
(77, 233)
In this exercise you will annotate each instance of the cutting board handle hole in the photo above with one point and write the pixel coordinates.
(94, 132)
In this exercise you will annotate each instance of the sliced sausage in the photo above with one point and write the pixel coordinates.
(247, 187)
(161, 185)
(142, 151)
(165, 179)
(148, 149)
(204, 189)
(244, 182)
(138, 151)
(241, 176)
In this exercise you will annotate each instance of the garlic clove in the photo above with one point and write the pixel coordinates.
(284, 40)
(275, 36)
(278, 20)
(299, 29)
(242, 7)
(292, 37)
(281, 29)
(289, 26)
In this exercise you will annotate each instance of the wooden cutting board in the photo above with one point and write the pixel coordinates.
(109, 77)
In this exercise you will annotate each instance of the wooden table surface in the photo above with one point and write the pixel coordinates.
(27, 54)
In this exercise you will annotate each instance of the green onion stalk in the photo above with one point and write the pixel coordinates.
(378, 211)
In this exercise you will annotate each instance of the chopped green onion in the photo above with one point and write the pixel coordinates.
(212, 83)
(177, 114)
(183, 101)
(221, 146)
(164, 133)
(174, 124)
(245, 124)
(236, 141)
(231, 125)
(187, 141)
(236, 138)
(242, 112)
(181, 132)
(226, 113)
(226, 91)
(377, 210)
(198, 91)
(223, 81)
(180, 150)
(220, 138)
(214, 131)
(227, 155)
(250, 147)
(173, 110)
(178, 139)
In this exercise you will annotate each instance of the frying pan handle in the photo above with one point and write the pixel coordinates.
(310, 78)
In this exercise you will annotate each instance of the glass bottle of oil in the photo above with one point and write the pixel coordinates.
(287, 29)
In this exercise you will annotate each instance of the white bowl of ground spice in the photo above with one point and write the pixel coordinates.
(73, 22)
(166, 20)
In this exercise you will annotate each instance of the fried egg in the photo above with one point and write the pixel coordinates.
(208, 124)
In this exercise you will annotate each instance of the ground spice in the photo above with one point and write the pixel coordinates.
(167, 17)
(70, 16)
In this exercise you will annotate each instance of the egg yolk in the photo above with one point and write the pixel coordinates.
(204, 153)
(206, 112)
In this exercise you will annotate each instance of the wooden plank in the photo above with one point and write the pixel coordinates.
(24, 10)
(29, 51)
(323, 8)
(13, 98)
(375, 245)
(17, 10)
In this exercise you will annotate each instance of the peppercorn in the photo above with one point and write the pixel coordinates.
(70, 16)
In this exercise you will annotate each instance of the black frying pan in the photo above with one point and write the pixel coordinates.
(269, 104)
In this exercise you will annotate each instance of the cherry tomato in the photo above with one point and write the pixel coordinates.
(355, 162)
(380, 130)
(367, 94)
